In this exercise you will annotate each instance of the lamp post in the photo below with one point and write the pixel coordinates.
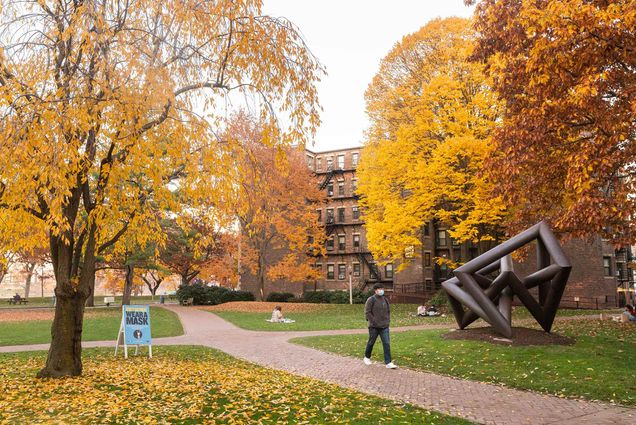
(350, 286)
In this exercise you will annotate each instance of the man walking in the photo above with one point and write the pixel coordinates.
(378, 314)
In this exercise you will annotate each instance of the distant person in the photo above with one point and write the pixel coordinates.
(16, 298)
(378, 314)
(421, 311)
(277, 314)
(630, 312)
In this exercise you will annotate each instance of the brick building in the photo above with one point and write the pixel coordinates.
(598, 270)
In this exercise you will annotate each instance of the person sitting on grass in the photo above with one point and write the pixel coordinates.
(421, 311)
(630, 312)
(277, 314)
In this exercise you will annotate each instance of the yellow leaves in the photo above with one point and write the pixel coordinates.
(114, 119)
(186, 384)
(425, 154)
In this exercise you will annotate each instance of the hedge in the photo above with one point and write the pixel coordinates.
(280, 297)
(336, 297)
(211, 295)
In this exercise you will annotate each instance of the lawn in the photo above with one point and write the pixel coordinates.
(315, 317)
(600, 366)
(34, 326)
(187, 385)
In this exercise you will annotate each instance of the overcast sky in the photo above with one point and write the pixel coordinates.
(350, 37)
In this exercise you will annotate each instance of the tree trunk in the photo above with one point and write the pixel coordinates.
(90, 302)
(260, 273)
(130, 274)
(30, 267)
(71, 290)
(65, 353)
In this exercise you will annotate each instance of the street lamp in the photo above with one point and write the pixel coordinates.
(350, 286)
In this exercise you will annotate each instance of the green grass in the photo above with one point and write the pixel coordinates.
(600, 366)
(345, 316)
(187, 385)
(104, 325)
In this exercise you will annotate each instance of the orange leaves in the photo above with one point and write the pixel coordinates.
(565, 70)
(274, 201)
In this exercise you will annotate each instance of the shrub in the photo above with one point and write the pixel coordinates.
(196, 291)
(237, 296)
(439, 299)
(280, 297)
(211, 295)
(317, 297)
(336, 297)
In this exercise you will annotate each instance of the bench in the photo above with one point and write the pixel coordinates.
(23, 301)
(109, 300)
(14, 301)
(188, 301)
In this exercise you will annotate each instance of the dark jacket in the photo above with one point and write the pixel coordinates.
(377, 311)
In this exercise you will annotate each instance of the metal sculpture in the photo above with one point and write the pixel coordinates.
(491, 299)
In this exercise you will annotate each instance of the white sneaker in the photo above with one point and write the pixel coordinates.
(367, 361)
(391, 366)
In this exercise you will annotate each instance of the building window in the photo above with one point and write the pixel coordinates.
(354, 159)
(457, 255)
(330, 271)
(341, 189)
(318, 164)
(388, 271)
(342, 242)
(330, 216)
(455, 242)
(409, 251)
(329, 163)
(319, 216)
(342, 271)
(330, 244)
(354, 185)
(341, 162)
(607, 266)
(427, 230)
(356, 213)
(341, 215)
(441, 238)
(356, 241)
(310, 162)
(427, 259)
(428, 285)
(330, 189)
(356, 269)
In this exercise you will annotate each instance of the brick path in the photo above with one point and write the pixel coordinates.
(479, 402)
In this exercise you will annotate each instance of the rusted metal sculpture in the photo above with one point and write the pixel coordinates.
(491, 299)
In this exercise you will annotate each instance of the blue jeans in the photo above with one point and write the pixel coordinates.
(386, 343)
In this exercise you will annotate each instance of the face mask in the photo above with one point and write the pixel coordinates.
(381, 292)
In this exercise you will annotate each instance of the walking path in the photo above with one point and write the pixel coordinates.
(479, 402)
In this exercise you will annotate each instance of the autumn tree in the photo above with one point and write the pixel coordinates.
(153, 275)
(275, 201)
(566, 72)
(30, 260)
(432, 114)
(94, 92)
